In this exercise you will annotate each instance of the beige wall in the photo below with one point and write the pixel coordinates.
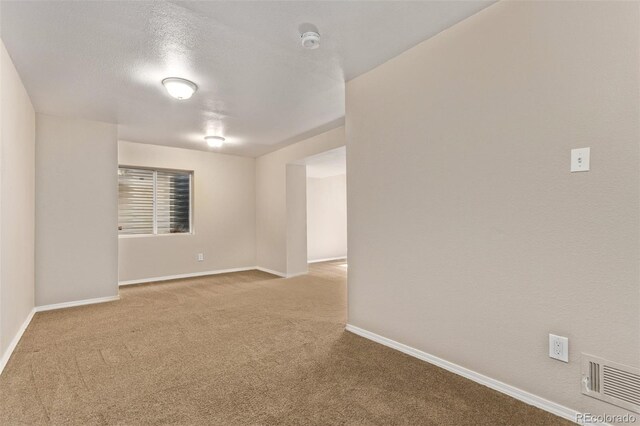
(296, 189)
(224, 218)
(17, 181)
(326, 217)
(272, 204)
(469, 238)
(76, 210)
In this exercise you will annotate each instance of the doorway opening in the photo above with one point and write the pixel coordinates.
(327, 206)
(316, 199)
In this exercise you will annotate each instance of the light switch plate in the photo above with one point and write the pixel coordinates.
(559, 347)
(580, 159)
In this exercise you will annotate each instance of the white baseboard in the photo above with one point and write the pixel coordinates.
(328, 259)
(202, 274)
(297, 274)
(519, 394)
(12, 346)
(280, 274)
(76, 303)
(271, 271)
(190, 275)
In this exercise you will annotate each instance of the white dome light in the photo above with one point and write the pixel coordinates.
(214, 141)
(179, 88)
(310, 40)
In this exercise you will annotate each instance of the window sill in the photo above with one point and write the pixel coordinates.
(175, 234)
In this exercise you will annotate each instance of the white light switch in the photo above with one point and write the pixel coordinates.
(559, 347)
(580, 159)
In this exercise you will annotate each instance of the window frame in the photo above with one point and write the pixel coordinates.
(155, 171)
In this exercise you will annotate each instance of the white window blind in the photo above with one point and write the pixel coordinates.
(153, 201)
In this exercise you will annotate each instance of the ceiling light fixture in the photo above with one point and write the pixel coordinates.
(179, 88)
(214, 141)
(310, 40)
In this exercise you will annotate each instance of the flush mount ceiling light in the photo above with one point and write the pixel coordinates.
(310, 40)
(214, 141)
(179, 88)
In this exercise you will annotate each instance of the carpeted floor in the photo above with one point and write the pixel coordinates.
(233, 349)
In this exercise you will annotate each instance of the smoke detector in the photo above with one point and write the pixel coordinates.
(310, 40)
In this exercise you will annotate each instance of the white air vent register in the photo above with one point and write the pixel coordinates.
(611, 382)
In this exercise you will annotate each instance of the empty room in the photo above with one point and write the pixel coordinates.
(319, 212)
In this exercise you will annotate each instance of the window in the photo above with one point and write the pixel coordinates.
(154, 202)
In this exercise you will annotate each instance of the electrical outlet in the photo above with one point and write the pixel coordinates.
(559, 347)
(200, 257)
(580, 159)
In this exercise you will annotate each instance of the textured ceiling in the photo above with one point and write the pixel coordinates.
(104, 60)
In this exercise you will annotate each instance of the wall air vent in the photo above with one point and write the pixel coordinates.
(611, 382)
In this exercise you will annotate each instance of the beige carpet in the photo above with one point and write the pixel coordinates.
(243, 348)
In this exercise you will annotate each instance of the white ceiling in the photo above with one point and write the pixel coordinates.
(327, 164)
(104, 60)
